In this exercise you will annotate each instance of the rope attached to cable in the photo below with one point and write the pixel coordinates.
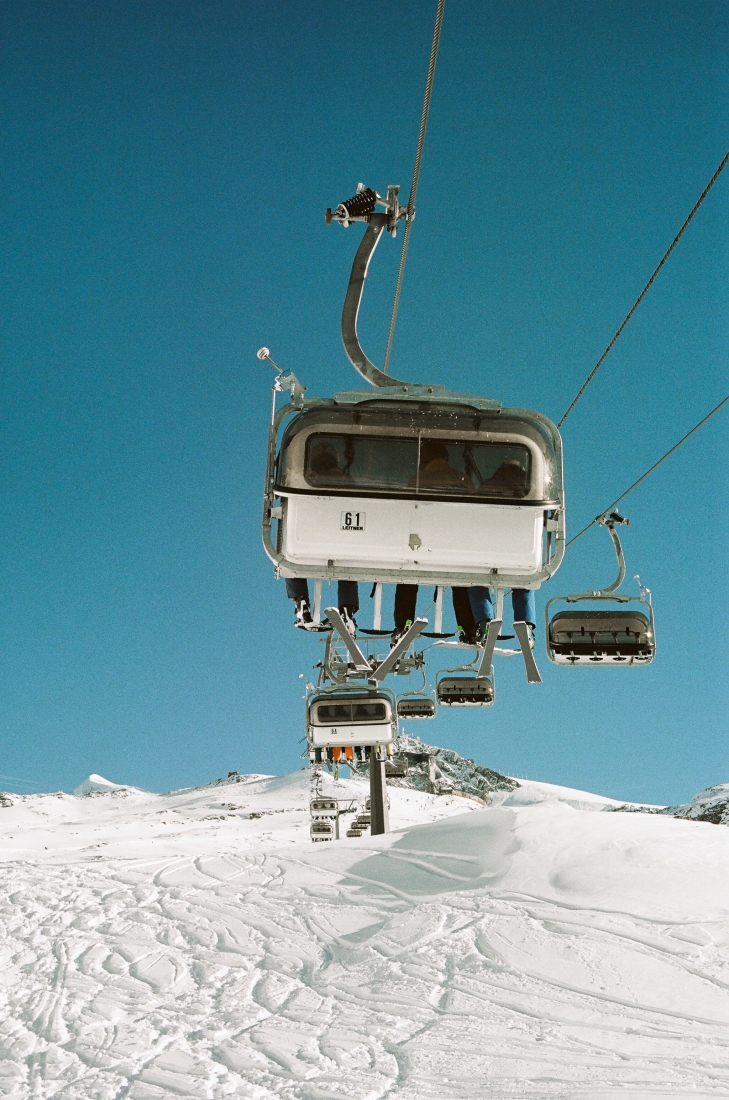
(645, 475)
(416, 174)
(645, 289)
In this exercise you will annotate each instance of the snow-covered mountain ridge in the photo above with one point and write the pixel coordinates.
(462, 774)
(196, 944)
(711, 805)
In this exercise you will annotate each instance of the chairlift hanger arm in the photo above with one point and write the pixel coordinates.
(610, 521)
(361, 208)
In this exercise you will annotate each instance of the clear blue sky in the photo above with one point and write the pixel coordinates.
(165, 168)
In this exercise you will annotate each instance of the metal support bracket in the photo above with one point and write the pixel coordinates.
(360, 661)
(397, 650)
(377, 615)
(438, 625)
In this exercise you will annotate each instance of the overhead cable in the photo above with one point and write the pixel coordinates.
(645, 289)
(416, 174)
(646, 474)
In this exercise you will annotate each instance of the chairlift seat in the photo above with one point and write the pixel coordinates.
(416, 706)
(465, 691)
(601, 637)
(347, 719)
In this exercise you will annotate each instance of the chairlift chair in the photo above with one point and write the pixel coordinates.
(615, 637)
(324, 808)
(361, 496)
(465, 691)
(344, 718)
(416, 707)
(321, 830)
(411, 483)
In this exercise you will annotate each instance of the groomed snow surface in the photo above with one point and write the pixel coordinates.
(196, 944)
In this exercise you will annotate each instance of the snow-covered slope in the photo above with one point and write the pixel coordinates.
(197, 944)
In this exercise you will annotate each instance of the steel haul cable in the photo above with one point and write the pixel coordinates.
(645, 289)
(650, 471)
(416, 174)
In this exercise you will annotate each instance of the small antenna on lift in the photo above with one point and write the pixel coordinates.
(285, 380)
(264, 353)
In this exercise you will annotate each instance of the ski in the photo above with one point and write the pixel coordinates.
(522, 632)
(489, 645)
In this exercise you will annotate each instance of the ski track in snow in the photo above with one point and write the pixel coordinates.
(527, 950)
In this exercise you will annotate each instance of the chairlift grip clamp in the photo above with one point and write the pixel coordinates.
(611, 519)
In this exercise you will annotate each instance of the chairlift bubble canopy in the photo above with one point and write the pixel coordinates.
(421, 486)
(465, 691)
(344, 718)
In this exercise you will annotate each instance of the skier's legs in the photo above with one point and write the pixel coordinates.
(524, 604)
(348, 596)
(482, 604)
(297, 588)
(406, 596)
(465, 619)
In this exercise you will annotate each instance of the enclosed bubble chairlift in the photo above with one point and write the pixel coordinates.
(407, 483)
(415, 706)
(615, 637)
(341, 725)
(322, 830)
(456, 690)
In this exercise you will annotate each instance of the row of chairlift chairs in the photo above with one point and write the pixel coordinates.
(349, 496)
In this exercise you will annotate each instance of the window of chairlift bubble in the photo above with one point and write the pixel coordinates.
(350, 712)
(413, 451)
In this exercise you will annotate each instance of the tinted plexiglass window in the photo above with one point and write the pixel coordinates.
(425, 466)
(346, 713)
